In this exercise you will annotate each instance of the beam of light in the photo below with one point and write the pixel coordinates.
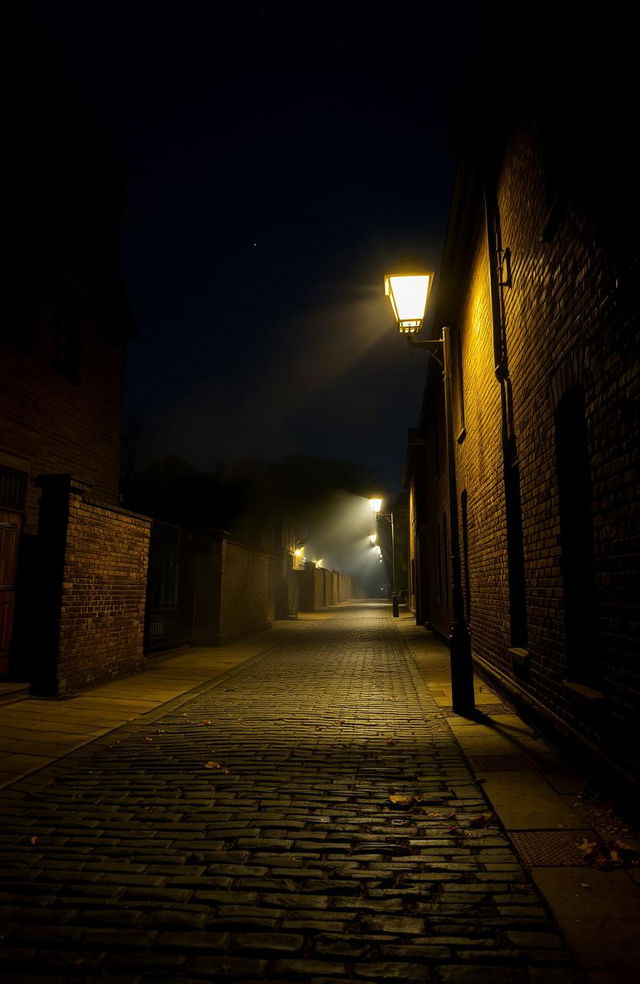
(339, 534)
(321, 347)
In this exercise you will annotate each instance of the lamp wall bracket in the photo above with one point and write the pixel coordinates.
(431, 346)
(504, 267)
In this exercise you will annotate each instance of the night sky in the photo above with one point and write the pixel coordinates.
(278, 160)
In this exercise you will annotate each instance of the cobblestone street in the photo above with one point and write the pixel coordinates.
(307, 817)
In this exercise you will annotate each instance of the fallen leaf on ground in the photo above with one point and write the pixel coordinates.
(481, 821)
(403, 800)
(594, 855)
(215, 765)
(628, 852)
(587, 847)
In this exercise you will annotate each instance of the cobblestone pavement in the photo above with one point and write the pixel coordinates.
(307, 818)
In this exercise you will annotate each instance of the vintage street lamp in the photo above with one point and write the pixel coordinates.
(372, 539)
(408, 290)
(376, 506)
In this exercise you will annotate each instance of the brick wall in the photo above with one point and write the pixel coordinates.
(92, 590)
(569, 317)
(235, 590)
(320, 588)
(247, 596)
(479, 463)
(59, 425)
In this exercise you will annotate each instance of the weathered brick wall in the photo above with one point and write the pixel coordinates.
(480, 470)
(103, 596)
(247, 596)
(570, 316)
(59, 425)
(344, 587)
(320, 588)
(573, 317)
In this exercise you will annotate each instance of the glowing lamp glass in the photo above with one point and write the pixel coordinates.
(408, 294)
(376, 505)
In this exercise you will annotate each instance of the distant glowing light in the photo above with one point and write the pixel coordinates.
(408, 294)
(372, 539)
(376, 505)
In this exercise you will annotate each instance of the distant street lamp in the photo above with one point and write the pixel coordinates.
(376, 506)
(372, 539)
(408, 290)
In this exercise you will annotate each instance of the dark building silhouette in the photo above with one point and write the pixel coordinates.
(62, 348)
(540, 287)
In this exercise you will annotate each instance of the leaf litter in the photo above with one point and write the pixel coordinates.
(216, 765)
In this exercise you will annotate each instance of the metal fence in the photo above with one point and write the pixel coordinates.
(170, 588)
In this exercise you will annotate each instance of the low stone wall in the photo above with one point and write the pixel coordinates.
(320, 588)
(91, 588)
(247, 598)
(234, 590)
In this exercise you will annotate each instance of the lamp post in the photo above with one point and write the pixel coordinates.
(376, 506)
(408, 291)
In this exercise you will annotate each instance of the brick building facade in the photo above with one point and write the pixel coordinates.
(540, 285)
(73, 567)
